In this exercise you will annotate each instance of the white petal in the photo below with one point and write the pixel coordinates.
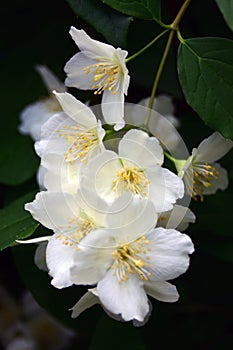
(53, 209)
(85, 302)
(220, 183)
(59, 259)
(162, 291)
(137, 146)
(178, 218)
(76, 75)
(60, 176)
(50, 80)
(113, 108)
(104, 167)
(164, 189)
(86, 44)
(76, 110)
(93, 258)
(169, 253)
(130, 218)
(39, 258)
(48, 133)
(127, 299)
(33, 117)
(213, 148)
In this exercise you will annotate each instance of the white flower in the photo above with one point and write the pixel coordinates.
(70, 219)
(201, 175)
(102, 68)
(36, 114)
(67, 140)
(126, 269)
(135, 169)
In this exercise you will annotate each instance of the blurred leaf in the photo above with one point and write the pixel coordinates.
(55, 301)
(119, 335)
(111, 24)
(18, 161)
(145, 9)
(205, 68)
(226, 7)
(15, 222)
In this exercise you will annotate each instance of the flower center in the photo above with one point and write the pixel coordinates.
(130, 259)
(131, 179)
(81, 142)
(203, 174)
(76, 229)
(105, 76)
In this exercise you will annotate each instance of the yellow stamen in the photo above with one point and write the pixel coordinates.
(105, 76)
(81, 142)
(127, 259)
(131, 179)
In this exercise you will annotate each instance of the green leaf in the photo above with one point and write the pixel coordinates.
(109, 331)
(226, 7)
(205, 68)
(18, 161)
(111, 24)
(15, 222)
(144, 9)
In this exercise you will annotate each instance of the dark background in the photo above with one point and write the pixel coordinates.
(37, 33)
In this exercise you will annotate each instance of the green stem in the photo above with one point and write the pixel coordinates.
(180, 14)
(147, 46)
(174, 27)
(169, 157)
(157, 77)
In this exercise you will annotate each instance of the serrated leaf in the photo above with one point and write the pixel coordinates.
(111, 24)
(226, 7)
(205, 69)
(144, 9)
(15, 222)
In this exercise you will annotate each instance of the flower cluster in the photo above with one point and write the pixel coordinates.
(116, 212)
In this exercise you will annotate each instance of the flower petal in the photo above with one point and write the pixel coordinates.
(75, 69)
(178, 218)
(49, 79)
(103, 166)
(76, 110)
(137, 146)
(164, 189)
(33, 117)
(128, 298)
(53, 209)
(85, 302)
(86, 44)
(169, 253)
(213, 148)
(59, 259)
(93, 258)
(112, 106)
(162, 291)
(221, 182)
(39, 258)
